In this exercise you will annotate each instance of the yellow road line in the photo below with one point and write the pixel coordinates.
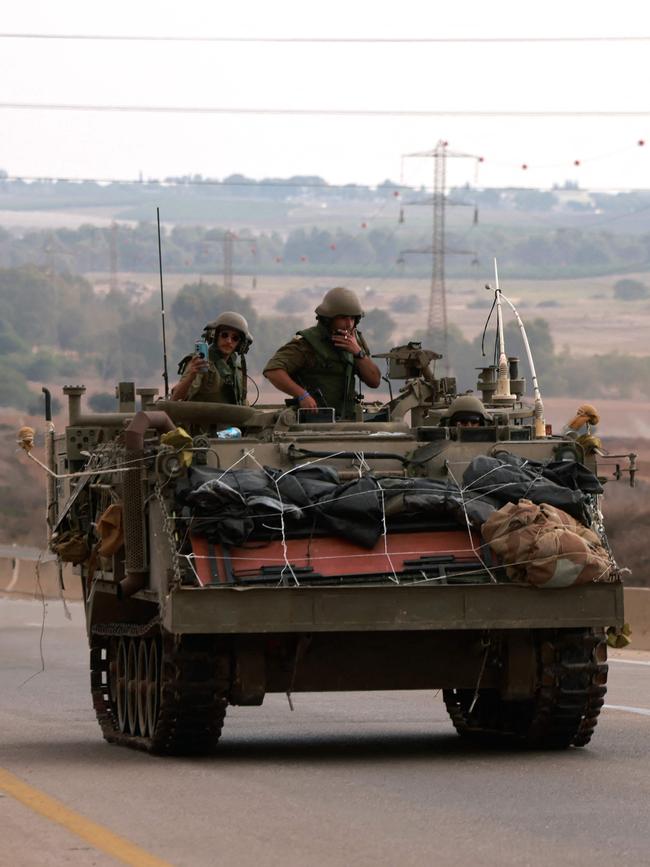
(95, 834)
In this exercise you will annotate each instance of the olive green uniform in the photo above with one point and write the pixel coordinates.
(223, 382)
(312, 360)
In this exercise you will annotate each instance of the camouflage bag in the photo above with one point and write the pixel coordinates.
(70, 547)
(110, 530)
(544, 546)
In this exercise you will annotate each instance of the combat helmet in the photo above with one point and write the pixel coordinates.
(467, 407)
(230, 319)
(339, 302)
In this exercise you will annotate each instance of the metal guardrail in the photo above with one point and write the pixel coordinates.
(26, 552)
(18, 554)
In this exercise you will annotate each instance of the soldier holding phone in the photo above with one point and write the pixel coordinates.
(216, 371)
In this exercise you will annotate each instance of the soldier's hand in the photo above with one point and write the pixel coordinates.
(307, 403)
(197, 365)
(347, 341)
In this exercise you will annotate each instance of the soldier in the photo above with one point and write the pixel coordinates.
(318, 366)
(221, 378)
(466, 411)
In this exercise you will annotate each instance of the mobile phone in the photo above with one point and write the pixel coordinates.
(201, 348)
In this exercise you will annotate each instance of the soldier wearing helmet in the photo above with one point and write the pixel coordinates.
(466, 411)
(323, 360)
(221, 377)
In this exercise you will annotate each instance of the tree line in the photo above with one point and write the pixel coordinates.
(544, 253)
(54, 329)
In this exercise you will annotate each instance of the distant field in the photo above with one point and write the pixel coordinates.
(585, 319)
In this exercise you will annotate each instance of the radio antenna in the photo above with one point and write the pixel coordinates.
(502, 392)
(162, 309)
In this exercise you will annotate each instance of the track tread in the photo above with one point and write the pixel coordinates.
(195, 680)
(564, 712)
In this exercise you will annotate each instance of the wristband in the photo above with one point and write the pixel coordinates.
(303, 396)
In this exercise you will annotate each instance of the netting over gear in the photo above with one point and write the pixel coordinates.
(339, 302)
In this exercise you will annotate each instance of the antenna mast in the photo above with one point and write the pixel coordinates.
(162, 309)
(437, 316)
(502, 392)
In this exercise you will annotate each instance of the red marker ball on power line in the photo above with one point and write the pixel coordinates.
(524, 166)
(576, 162)
(641, 142)
(364, 225)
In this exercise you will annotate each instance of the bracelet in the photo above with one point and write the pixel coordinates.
(303, 396)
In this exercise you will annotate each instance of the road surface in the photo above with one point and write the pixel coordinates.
(364, 779)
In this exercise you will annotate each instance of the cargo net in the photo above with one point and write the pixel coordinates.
(505, 519)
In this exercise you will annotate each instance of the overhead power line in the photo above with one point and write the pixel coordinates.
(354, 40)
(324, 112)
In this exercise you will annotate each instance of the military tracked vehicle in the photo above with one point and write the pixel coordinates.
(317, 555)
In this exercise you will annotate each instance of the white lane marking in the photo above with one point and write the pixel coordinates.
(630, 661)
(642, 711)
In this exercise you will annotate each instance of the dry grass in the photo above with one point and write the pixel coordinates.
(586, 320)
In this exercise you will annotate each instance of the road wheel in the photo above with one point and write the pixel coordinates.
(142, 685)
(153, 686)
(132, 686)
(122, 685)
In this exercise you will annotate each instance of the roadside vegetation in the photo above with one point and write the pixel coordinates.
(55, 327)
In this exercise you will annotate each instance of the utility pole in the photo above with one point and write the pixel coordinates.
(437, 313)
(112, 258)
(228, 239)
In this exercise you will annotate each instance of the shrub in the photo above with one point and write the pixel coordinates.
(102, 401)
(405, 304)
(630, 290)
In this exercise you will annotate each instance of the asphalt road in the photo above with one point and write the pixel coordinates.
(364, 779)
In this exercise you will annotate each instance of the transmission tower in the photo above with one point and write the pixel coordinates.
(437, 313)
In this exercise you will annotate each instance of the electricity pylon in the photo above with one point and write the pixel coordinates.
(437, 312)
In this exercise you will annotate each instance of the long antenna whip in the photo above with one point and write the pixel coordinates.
(162, 309)
(540, 424)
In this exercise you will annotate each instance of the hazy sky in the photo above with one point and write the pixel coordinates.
(600, 76)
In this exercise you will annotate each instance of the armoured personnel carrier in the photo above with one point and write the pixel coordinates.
(315, 555)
